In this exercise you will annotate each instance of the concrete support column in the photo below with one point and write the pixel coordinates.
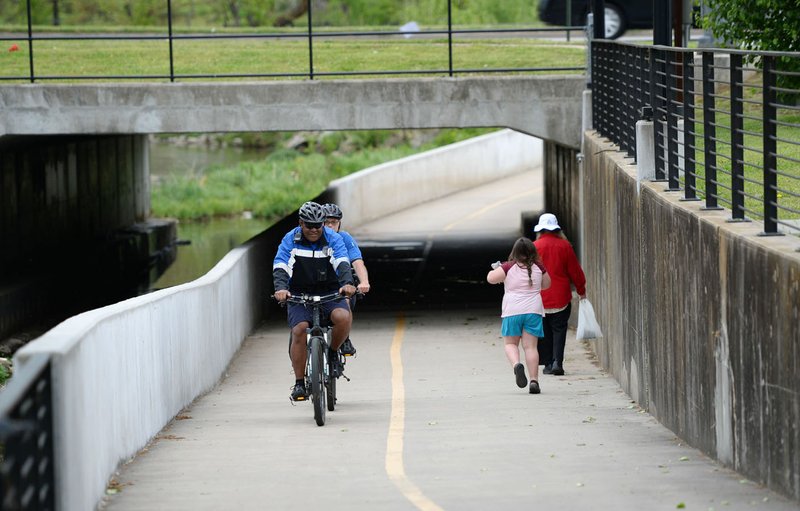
(586, 112)
(645, 153)
(587, 123)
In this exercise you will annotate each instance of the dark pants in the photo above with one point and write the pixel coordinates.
(551, 347)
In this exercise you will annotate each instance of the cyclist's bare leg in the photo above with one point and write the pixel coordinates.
(298, 351)
(529, 346)
(342, 320)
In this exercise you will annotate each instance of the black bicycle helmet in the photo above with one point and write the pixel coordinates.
(332, 211)
(312, 212)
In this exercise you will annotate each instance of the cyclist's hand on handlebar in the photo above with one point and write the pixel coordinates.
(347, 290)
(363, 287)
(282, 295)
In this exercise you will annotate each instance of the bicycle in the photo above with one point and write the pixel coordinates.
(323, 365)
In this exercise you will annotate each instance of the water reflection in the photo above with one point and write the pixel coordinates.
(210, 241)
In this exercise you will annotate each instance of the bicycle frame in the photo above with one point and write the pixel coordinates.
(319, 374)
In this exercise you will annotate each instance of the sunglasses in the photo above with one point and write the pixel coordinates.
(313, 225)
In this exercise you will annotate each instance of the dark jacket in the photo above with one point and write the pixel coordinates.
(304, 267)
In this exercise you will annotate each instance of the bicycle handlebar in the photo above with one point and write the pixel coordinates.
(305, 299)
(310, 299)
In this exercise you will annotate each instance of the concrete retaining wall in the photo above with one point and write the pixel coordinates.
(700, 316)
(397, 185)
(122, 372)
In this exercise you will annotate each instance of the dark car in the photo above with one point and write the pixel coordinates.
(620, 14)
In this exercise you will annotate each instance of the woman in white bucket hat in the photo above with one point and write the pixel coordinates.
(565, 271)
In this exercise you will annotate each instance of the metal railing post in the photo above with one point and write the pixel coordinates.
(568, 21)
(30, 41)
(658, 126)
(737, 139)
(450, 36)
(709, 132)
(171, 55)
(599, 116)
(629, 107)
(310, 42)
(770, 134)
(689, 149)
(672, 124)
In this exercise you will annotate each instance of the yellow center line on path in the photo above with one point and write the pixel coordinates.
(491, 206)
(394, 442)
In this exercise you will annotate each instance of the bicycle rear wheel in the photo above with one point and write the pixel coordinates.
(317, 378)
(330, 384)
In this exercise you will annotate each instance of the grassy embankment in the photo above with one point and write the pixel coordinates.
(287, 177)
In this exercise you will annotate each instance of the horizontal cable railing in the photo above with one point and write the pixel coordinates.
(726, 123)
(166, 57)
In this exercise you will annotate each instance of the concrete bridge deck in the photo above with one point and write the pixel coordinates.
(431, 420)
(547, 107)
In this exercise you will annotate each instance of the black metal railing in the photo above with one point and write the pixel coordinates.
(726, 123)
(27, 469)
(311, 35)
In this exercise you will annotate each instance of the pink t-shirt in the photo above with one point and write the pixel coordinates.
(520, 296)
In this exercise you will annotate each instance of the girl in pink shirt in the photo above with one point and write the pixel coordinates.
(523, 277)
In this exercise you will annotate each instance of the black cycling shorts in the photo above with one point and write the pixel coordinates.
(297, 313)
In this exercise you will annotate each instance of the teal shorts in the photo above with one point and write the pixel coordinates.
(513, 325)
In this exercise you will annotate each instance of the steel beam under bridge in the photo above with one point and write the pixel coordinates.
(547, 107)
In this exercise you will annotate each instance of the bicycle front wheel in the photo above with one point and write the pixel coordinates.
(317, 378)
(331, 381)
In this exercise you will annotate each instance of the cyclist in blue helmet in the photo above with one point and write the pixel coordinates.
(334, 220)
(312, 259)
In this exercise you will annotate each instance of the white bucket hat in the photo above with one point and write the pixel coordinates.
(548, 222)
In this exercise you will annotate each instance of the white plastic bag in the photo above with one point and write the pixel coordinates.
(588, 328)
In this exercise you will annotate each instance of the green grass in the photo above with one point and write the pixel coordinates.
(4, 376)
(276, 186)
(89, 58)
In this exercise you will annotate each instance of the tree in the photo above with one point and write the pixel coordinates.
(56, 15)
(765, 25)
(286, 19)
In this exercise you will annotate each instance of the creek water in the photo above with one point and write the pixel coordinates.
(209, 241)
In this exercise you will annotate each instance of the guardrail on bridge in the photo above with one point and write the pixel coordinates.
(309, 34)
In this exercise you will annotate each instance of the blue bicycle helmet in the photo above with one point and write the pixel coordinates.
(312, 213)
(332, 211)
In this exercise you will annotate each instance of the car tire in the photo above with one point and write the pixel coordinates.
(615, 21)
